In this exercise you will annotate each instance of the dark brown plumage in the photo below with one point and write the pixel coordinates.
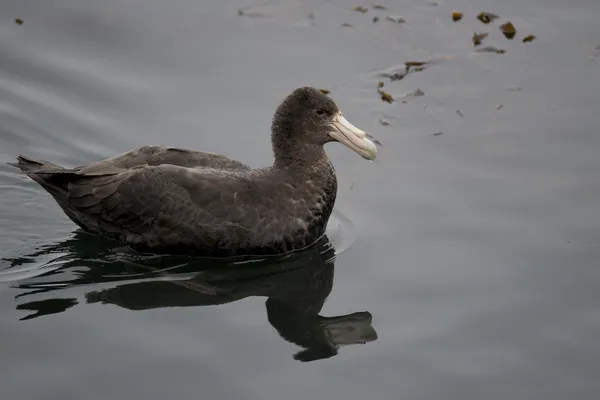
(168, 200)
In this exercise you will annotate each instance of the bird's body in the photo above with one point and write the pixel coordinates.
(178, 201)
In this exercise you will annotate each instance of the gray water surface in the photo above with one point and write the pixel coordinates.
(467, 261)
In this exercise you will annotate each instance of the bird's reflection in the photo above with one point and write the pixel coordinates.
(296, 287)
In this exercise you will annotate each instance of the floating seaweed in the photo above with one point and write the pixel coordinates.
(347, 25)
(375, 19)
(409, 67)
(379, 7)
(385, 96)
(18, 21)
(324, 91)
(383, 122)
(396, 76)
(459, 113)
(478, 38)
(490, 49)
(528, 38)
(360, 9)
(437, 133)
(500, 107)
(508, 29)
(416, 93)
(456, 16)
(486, 17)
(398, 20)
(409, 64)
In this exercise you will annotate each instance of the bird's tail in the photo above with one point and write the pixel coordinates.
(29, 165)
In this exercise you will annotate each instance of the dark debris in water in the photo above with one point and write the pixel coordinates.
(459, 113)
(415, 64)
(384, 122)
(416, 93)
(437, 133)
(456, 16)
(375, 19)
(18, 21)
(499, 107)
(379, 7)
(528, 38)
(324, 91)
(478, 38)
(385, 96)
(395, 19)
(486, 17)
(347, 25)
(409, 67)
(360, 9)
(508, 29)
(490, 49)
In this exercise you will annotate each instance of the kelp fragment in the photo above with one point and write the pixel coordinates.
(410, 64)
(18, 21)
(379, 7)
(409, 67)
(486, 17)
(360, 9)
(456, 16)
(528, 38)
(437, 133)
(490, 49)
(324, 91)
(508, 29)
(416, 93)
(398, 20)
(385, 96)
(478, 37)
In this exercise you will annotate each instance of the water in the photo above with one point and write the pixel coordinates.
(467, 261)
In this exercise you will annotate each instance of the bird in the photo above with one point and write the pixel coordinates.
(169, 200)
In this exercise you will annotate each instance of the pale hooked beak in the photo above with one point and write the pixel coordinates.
(354, 138)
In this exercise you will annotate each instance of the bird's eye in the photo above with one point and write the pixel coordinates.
(320, 111)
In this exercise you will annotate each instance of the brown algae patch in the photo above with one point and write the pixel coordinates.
(486, 17)
(508, 29)
(478, 38)
(360, 9)
(490, 49)
(385, 96)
